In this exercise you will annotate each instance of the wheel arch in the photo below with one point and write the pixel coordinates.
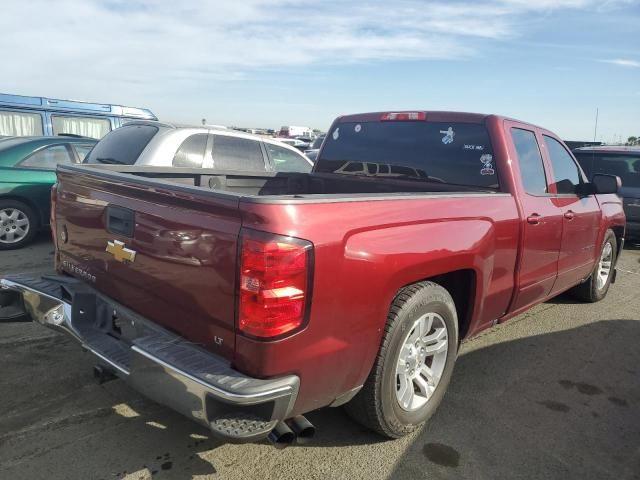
(462, 286)
(618, 231)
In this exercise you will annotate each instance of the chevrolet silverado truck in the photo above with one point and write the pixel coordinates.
(246, 301)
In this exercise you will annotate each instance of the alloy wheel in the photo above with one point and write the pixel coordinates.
(421, 362)
(14, 225)
(604, 267)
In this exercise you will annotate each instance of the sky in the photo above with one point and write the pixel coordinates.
(267, 63)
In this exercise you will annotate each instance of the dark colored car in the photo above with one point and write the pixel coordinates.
(245, 301)
(314, 148)
(625, 163)
(27, 172)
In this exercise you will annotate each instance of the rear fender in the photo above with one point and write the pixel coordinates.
(420, 251)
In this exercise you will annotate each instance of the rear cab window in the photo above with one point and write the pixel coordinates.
(123, 145)
(453, 153)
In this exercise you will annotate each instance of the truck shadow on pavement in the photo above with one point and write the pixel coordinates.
(559, 405)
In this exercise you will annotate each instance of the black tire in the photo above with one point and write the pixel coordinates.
(589, 291)
(31, 216)
(376, 405)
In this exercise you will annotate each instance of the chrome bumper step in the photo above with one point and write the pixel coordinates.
(158, 363)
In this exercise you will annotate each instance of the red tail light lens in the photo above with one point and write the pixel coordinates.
(274, 284)
(403, 116)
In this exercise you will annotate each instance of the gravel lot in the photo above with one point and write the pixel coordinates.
(553, 393)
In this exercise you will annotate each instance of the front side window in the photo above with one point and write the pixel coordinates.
(234, 153)
(532, 173)
(285, 160)
(565, 170)
(48, 158)
(20, 124)
(83, 126)
(191, 152)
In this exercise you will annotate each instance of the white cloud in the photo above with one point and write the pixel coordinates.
(623, 62)
(161, 47)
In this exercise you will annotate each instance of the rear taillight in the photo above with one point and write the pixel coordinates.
(403, 116)
(52, 213)
(275, 284)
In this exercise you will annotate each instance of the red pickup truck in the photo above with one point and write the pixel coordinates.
(245, 301)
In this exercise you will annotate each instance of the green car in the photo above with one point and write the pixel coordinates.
(27, 172)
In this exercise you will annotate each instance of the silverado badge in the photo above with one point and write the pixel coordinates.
(120, 252)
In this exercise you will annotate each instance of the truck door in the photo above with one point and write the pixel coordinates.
(581, 216)
(542, 219)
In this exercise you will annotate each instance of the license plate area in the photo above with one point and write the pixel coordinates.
(91, 312)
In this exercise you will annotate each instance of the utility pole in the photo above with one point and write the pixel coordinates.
(595, 130)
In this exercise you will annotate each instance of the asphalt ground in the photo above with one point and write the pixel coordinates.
(552, 394)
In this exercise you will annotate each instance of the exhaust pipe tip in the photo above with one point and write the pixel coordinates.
(302, 428)
(281, 436)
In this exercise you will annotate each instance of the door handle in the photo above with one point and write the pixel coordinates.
(534, 219)
(569, 215)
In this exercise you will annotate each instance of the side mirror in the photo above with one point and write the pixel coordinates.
(606, 183)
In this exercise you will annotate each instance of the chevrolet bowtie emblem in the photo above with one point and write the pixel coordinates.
(120, 252)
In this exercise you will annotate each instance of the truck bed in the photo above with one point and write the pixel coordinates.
(184, 226)
(276, 186)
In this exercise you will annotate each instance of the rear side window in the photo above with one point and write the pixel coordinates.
(233, 153)
(123, 146)
(565, 170)
(458, 154)
(48, 158)
(20, 124)
(82, 150)
(191, 152)
(285, 160)
(534, 180)
(84, 126)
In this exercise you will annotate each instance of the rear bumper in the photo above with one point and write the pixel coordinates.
(156, 362)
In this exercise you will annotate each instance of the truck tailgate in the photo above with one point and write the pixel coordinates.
(167, 254)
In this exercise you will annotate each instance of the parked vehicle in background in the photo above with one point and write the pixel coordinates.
(29, 116)
(27, 172)
(294, 142)
(316, 143)
(292, 132)
(312, 152)
(245, 301)
(156, 144)
(625, 163)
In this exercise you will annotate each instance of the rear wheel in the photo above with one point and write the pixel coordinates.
(414, 364)
(597, 285)
(18, 224)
